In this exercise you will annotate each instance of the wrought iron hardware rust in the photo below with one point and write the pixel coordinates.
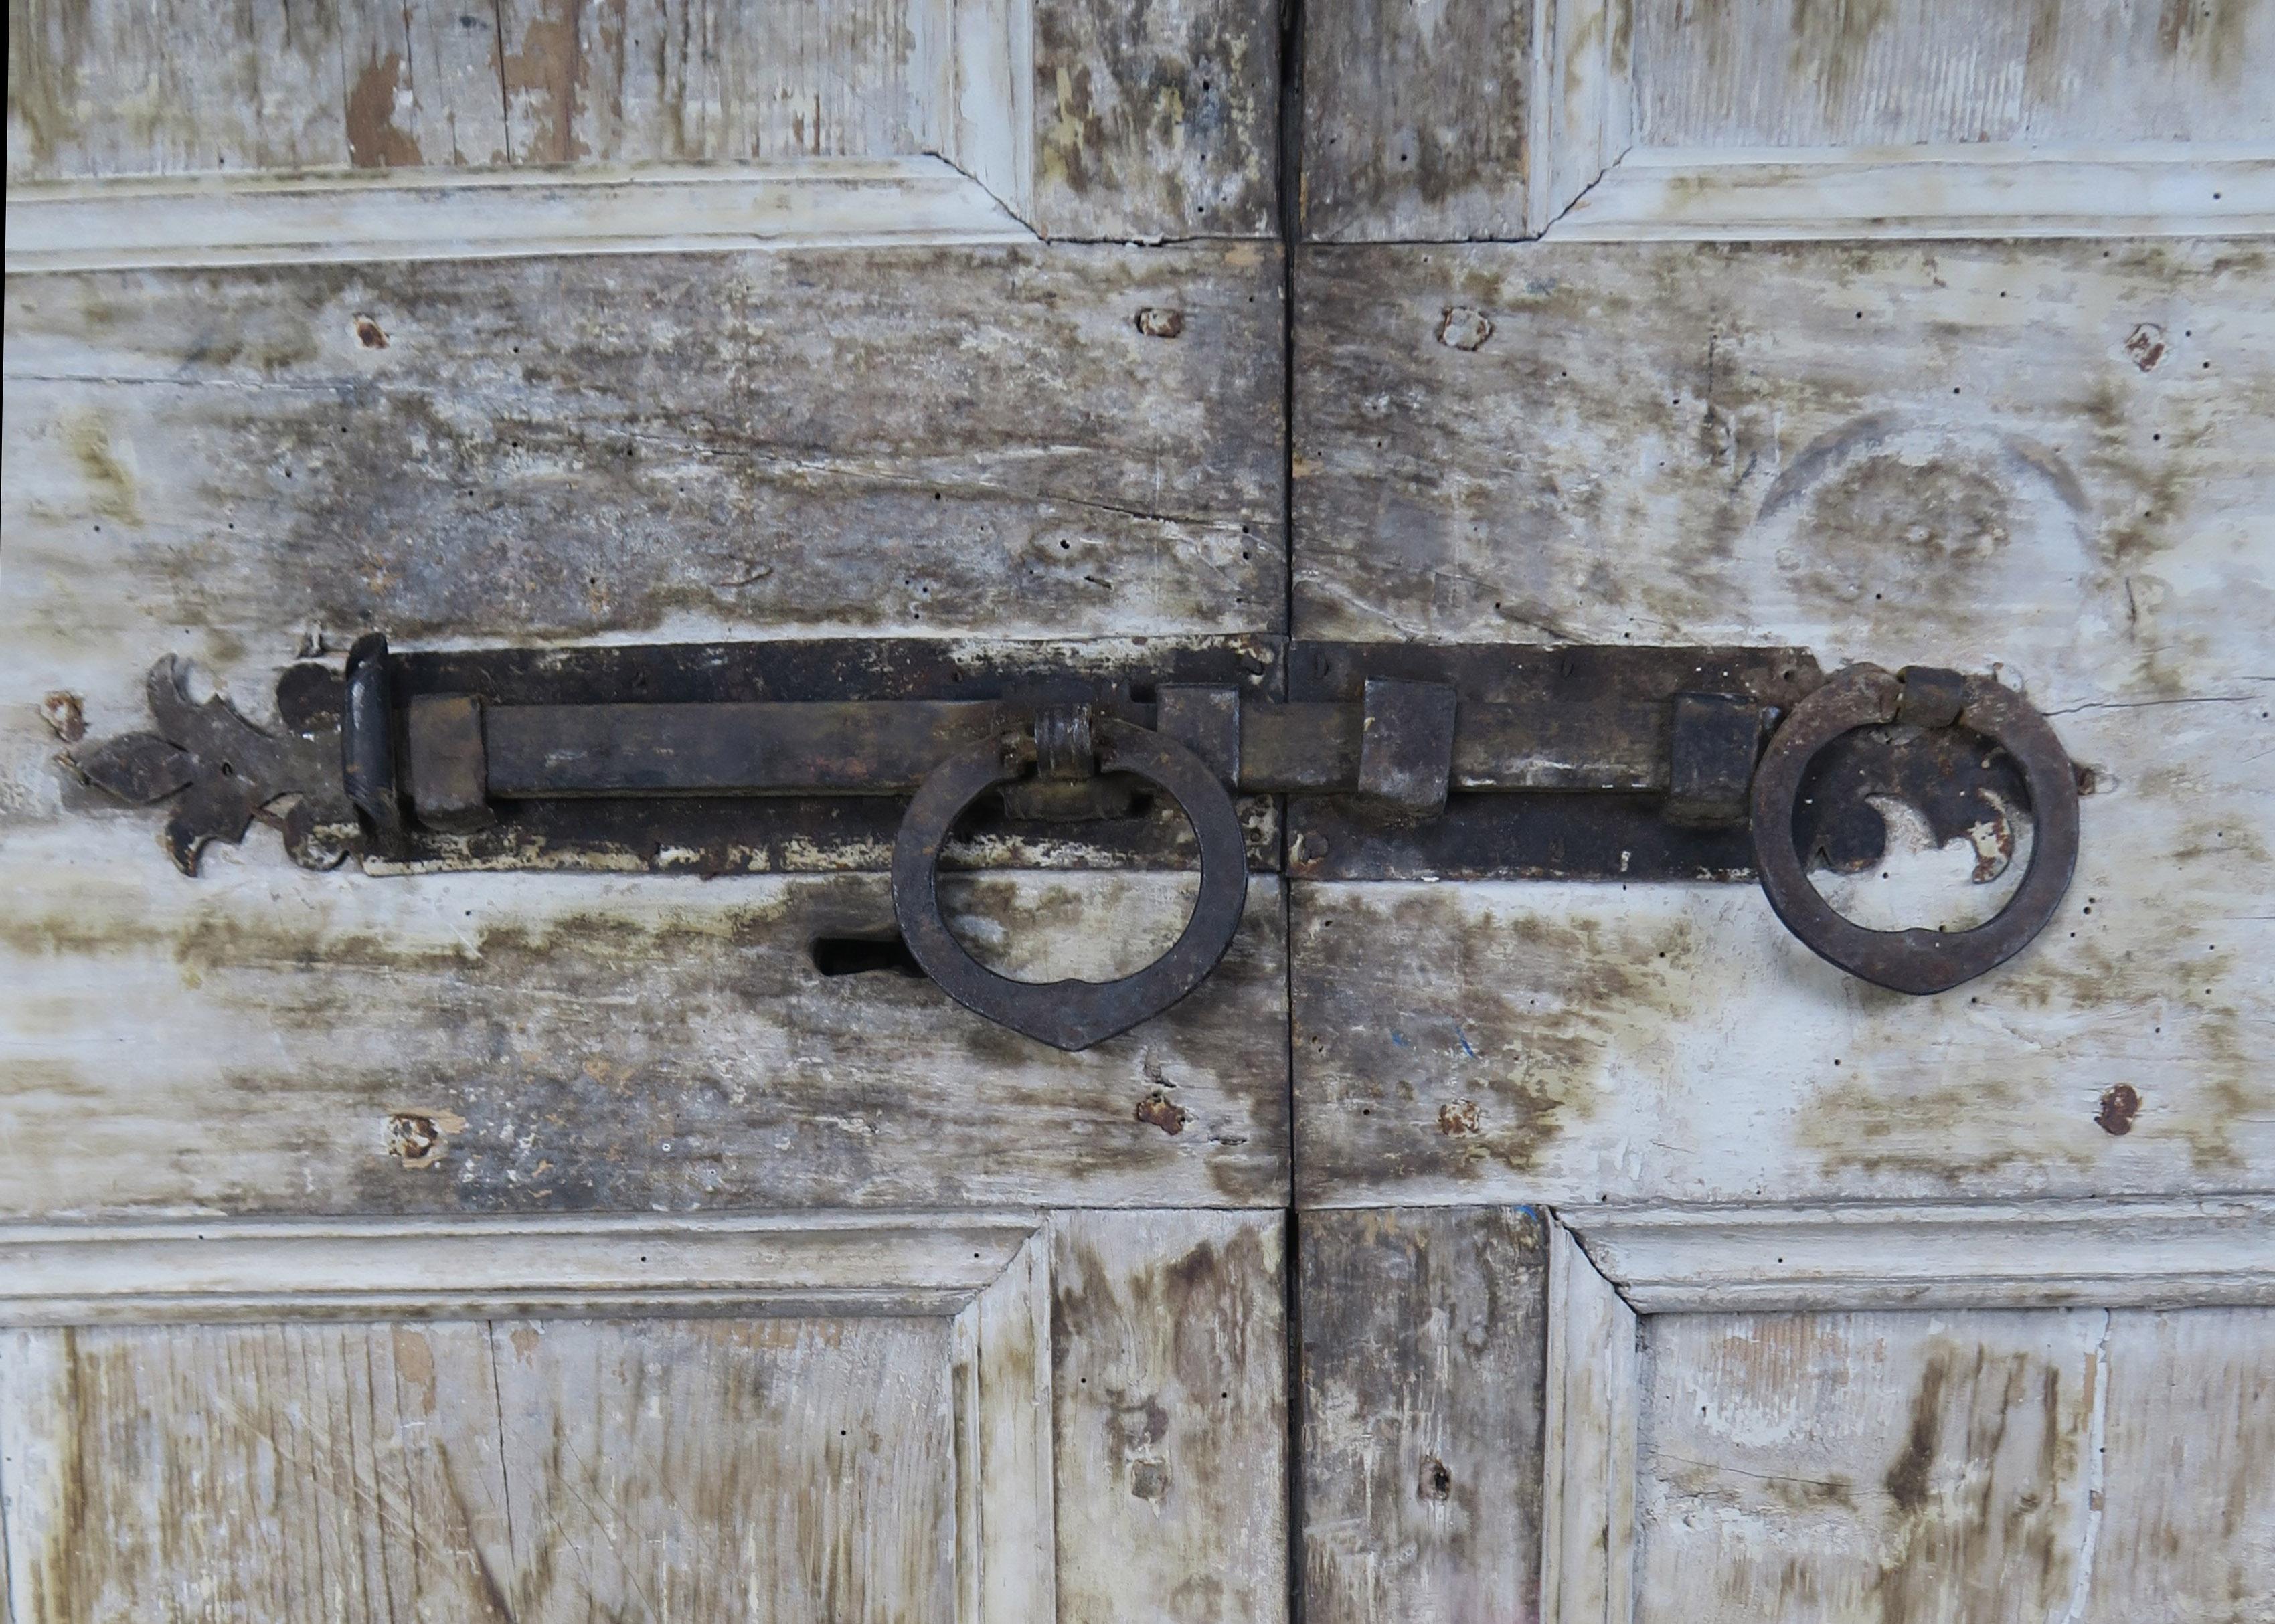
(1314, 760)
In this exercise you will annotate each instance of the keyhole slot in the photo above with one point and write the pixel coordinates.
(864, 955)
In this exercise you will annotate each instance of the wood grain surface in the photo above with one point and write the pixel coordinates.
(2039, 459)
(1423, 1364)
(1170, 1386)
(480, 1471)
(2084, 1465)
(942, 441)
(273, 1040)
(1089, 120)
(2101, 72)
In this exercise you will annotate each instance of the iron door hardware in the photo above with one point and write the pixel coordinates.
(1312, 760)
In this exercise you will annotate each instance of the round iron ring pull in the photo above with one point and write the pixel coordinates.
(1920, 960)
(1072, 1014)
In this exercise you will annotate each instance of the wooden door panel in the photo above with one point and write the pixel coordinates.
(2093, 1464)
(1676, 441)
(567, 325)
(670, 448)
(1936, 72)
(1580, 1043)
(268, 1039)
(1086, 119)
(517, 435)
(1846, 1413)
(561, 325)
(1941, 453)
(1865, 1465)
(1659, 119)
(1907, 337)
(1424, 1334)
(1171, 1391)
(503, 1468)
(857, 1418)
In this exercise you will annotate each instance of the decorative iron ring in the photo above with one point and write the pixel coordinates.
(1920, 960)
(1072, 1014)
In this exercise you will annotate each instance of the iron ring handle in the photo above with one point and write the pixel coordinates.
(1918, 961)
(1072, 1014)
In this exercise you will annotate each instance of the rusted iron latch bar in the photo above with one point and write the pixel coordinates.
(1405, 744)
(1360, 760)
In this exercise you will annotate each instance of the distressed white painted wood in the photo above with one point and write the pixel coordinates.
(226, 1269)
(2106, 1253)
(657, 447)
(1005, 1478)
(704, 79)
(476, 1052)
(1653, 1044)
(1389, 148)
(911, 1413)
(1171, 1391)
(778, 1418)
(1579, 102)
(1928, 237)
(1589, 1471)
(2188, 1432)
(2094, 1467)
(1083, 118)
(770, 1470)
(1924, 118)
(720, 1468)
(132, 1000)
(1870, 1468)
(2038, 1443)
(978, 59)
(2031, 458)
(109, 88)
(376, 218)
(2048, 1434)
(1157, 121)
(614, 1445)
(1664, 119)
(351, 1472)
(1933, 73)
(1778, 194)
(1873, 450)
(1422, 1443)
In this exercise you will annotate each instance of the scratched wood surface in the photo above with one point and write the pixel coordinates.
(2093, 72)
(2189, 1527)
(2046, 459)
(1424, 1349)
(1480, 120)
(480, 1471)
(1087, 119)
(2051, 454)
(266, 1039)
(1414, 120)
(689, 447)
(1899, 1469)
(706, 1470)
(677, 447)
(1157, 120)
(103, 88)
(1128, 1372)
(699, 79)
(1170, 1389)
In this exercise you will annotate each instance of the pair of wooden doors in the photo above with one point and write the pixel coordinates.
(529, 1240)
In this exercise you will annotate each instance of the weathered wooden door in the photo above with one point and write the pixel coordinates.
(1644, 1257)
(589, 1220)
(566, 1231)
